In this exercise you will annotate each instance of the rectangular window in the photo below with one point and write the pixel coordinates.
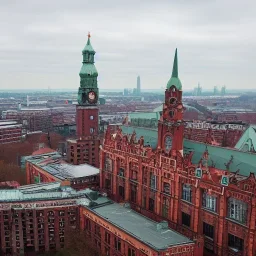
(107, 237)
(131, 252)
(121, 172)
(91, 130)
(185, 219)
(187, 192)
(133, 193)
(235, 243)
(134, 175)
(209, 202)
(151, 204)
(107, 183)
(144, 198)
(121, 192)
(97, 230)
(165, 207)
(108, 164)
(88, 225)
(107, 251)
(91, 117)
(144, 175)
(118, 244)
(153, 183)
(208, 230)
(237, 210)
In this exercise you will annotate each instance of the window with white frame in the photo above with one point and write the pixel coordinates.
(209, 202)
(237, 210)
(91, 130)
(91, 117)
(187, 192)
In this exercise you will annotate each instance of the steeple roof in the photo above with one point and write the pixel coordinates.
(174, 80)
(88, 46)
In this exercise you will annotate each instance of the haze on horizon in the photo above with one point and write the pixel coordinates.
(41, 43)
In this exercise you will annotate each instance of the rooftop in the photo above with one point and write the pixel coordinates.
(220, 157)
(156, 235)
(54, 164)
(4, 123)
(42, 191)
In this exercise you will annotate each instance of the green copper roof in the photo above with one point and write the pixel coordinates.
(88, 69)
(146, 115)
(174, 80)
(218, 156)
(88, 46)
(248, 140)
(154, 234)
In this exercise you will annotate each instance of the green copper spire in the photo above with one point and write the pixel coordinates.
(174, 80)
(88, 76)
(88, 46)
(175, 65)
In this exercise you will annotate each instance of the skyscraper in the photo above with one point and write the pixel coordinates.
(138, 85)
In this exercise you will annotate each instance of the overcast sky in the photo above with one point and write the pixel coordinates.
(41, 42)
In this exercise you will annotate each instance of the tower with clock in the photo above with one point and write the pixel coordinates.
(170, 125)
(85, 149)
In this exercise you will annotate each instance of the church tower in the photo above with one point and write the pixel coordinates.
(170, 125)
(85, 149)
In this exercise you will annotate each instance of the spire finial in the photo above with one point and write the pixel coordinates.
(89, 34)
(175, 65)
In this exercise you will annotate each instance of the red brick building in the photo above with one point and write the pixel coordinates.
(10, 131)
(48, 166)
(201, 191)
(37, 218)
(85, 149)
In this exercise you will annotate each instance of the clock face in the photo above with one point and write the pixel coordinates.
(168, 143)
(91, 96)
(173, 100)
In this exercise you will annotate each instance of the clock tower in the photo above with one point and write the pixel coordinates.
(85, 149)
(170, 125)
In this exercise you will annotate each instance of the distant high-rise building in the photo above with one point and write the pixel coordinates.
(223, 90)
(215, 90)
(198, 90)
(138, 85)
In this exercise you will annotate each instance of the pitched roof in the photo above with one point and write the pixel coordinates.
(222, 158)
(174, 80)
(247, 142)
(88, 46)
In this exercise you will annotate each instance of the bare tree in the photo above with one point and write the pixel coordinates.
(11, 172)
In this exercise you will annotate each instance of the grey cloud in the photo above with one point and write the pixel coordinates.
(41, 42)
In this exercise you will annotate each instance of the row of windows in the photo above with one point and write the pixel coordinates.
(234, 242)
(237, 209)
(118, 243)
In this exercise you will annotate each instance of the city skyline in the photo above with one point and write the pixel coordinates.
(41, 43)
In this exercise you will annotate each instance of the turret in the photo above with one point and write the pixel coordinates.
(88, 90)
